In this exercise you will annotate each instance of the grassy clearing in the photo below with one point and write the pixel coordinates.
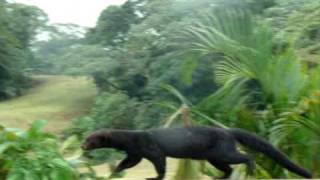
(57, 99)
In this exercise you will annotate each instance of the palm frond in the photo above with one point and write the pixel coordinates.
(172, 117)
(177, 94)
(211, 120)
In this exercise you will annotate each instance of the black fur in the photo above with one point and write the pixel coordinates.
(217, 146)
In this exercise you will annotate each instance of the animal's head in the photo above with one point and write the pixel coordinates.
(97, 140)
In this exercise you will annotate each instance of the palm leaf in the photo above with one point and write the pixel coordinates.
(177, 94)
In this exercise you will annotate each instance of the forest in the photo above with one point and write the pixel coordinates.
(249, 64)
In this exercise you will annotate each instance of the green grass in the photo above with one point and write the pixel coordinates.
(57, 99)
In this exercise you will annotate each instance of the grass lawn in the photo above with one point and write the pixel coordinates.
(57, 99)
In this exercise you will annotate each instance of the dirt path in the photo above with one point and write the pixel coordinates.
(144, 170)
(57, 99)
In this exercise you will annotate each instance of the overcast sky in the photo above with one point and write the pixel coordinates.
(81, 12)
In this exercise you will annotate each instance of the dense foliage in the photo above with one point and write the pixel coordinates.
(32, 154)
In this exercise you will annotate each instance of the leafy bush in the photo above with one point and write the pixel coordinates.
(117, 110)
(32, 154)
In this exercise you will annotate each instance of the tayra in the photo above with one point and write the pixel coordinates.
(217, 146)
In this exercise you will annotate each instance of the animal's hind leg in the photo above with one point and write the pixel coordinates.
(238, 158)
(227, 154)
(222, 167)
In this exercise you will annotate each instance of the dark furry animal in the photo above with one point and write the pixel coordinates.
(217, 146)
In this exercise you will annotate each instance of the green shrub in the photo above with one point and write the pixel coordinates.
(118, 111)
(32, 154)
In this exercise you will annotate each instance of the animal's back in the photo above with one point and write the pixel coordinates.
(190, 142)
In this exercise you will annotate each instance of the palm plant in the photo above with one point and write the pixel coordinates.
(303, 121)
(246, 47)
(249, 71)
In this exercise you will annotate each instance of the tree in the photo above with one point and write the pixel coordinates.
(18, 26)
(113, 24)
(26, 22)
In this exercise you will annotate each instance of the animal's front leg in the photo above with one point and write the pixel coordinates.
(128, 162)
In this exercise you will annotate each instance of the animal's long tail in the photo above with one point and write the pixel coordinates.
(256, 143)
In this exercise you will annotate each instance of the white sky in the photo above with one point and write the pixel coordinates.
(81, 12)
